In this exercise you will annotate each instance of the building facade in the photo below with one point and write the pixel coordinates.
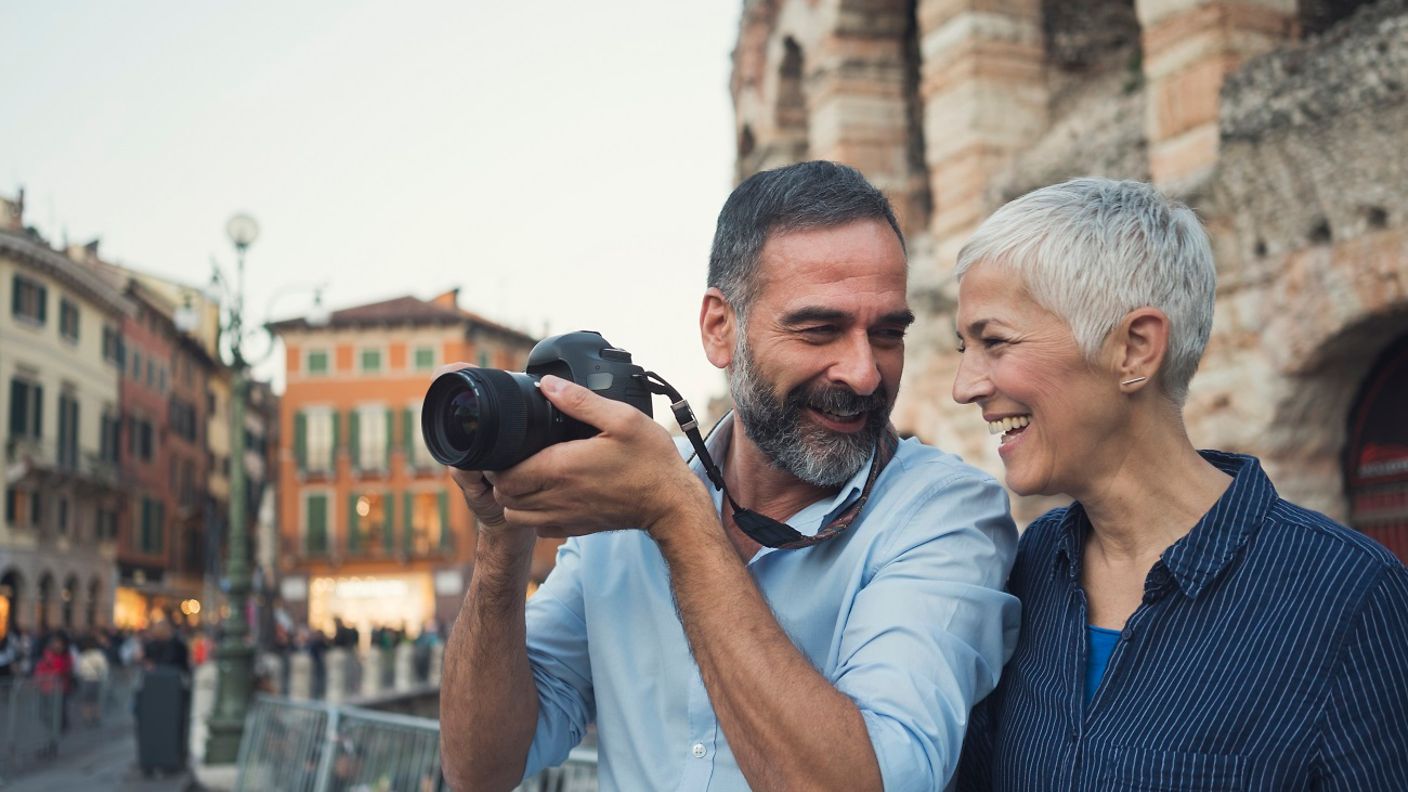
(1280, 122)
(372, 529)
(60, 360)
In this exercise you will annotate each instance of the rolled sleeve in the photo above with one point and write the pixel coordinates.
(561, 665)
(927, 636)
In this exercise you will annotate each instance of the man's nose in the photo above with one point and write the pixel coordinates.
(970, 383)
(857, 369)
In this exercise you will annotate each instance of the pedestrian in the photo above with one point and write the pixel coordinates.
(54, 674)
(92, 671)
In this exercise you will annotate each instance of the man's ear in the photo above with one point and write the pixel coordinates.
(718, 328)
(1141, 343)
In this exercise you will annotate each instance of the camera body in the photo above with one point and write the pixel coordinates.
(491, 419)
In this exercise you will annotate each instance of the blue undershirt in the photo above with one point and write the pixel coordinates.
(1100, 644)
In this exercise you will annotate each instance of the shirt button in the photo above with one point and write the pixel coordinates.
(1126, 633)
(698, 750)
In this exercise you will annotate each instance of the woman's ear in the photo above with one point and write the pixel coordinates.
(718, 328)
(1141, 344)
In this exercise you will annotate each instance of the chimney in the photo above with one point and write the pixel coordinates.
(450, 299)
(12, 212)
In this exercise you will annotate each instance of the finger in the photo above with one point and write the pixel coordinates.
(582, 404)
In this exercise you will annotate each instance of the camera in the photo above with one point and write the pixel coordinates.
(491, 419)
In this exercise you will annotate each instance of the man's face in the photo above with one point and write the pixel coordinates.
(817, 365)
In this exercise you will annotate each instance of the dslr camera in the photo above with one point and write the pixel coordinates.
(491, 419)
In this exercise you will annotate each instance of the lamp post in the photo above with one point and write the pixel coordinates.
(234, 656)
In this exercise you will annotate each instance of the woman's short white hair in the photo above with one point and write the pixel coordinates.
(1092, 250)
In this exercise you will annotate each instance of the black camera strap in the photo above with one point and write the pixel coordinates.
(759, 527)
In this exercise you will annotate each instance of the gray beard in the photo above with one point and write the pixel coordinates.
(795, 445)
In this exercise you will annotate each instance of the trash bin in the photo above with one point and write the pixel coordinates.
(163, 717)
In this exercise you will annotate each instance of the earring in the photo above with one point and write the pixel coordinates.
(1133, 380)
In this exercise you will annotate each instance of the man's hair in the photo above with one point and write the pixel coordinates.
(1092, 250)
(816, 194)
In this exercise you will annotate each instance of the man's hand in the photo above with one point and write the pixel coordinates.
(628, 476)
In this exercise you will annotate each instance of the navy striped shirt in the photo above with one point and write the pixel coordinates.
(1270, 652)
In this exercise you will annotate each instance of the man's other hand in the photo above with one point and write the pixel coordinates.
(630, 475)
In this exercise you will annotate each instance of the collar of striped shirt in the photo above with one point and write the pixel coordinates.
(1200, 556)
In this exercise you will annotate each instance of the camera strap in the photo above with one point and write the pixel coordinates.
(759, 527)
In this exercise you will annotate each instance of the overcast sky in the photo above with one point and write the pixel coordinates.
(562, 162)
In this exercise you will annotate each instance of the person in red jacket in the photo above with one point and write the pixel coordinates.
(54, 673)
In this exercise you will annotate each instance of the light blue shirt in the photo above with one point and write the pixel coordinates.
(904, 613)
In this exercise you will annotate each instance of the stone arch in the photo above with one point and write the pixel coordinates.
(68, 596)
(11, 599)
(1376, 451)
(1318, 16)
(1310, 421)
(790, 103)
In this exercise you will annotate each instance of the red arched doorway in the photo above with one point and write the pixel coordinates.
(1376, 458)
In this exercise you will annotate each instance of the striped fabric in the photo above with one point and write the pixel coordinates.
(1270, 652)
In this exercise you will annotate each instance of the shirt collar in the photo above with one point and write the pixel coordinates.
(718, 442)
(1201, 555)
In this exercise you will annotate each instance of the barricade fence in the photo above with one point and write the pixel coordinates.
(33, 718)
(311, 746)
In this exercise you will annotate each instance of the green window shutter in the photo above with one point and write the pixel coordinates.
(300, 440)
(38, 411)
(336, 441)
(407, 524)
(354, 438)
(354, 536)
(388, 531)
(43, 303)
(317, 535)
(447, 539)
(408, 431)
(390, 424)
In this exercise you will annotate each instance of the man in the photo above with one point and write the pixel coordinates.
(706, 660)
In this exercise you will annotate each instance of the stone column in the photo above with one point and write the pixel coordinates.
(437, 661)
(371, 672)
(300, 676)
(859, 104)
(983, 86)
(1189, 47)
(336, 664)
(405, 660)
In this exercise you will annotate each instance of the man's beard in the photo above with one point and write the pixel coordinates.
(811, 452)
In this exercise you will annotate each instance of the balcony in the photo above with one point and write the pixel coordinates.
(25, 456)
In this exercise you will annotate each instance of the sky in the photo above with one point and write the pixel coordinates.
(561, 162)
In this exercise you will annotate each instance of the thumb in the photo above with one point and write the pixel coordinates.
(580, 403)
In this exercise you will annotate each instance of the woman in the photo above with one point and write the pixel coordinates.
(1182, 626)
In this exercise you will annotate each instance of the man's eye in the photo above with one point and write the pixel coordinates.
(819, 331)
(890, 334)
(993, 342)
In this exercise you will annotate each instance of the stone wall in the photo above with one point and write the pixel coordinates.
(1281, 122)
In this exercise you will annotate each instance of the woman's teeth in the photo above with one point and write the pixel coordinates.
(1003, 425)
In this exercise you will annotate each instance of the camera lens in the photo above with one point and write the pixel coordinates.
(463, 418)
(485, 419)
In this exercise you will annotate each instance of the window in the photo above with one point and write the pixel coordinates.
(425, 358)
(68, 431)
(63, 516)
(108, 441)
(317, 362)
(483, 358)
(371, 361)
(151, 526)
(369, 436)
(319, 438)
(112, 346)
(425, 516)
(151, 373)
(417, 456)
(107, 525)
(68, 319)
(139, 439)
(136, 365)
(369, 528)
(28, 299)
(182, 416)
(26, 409)
(315, 524)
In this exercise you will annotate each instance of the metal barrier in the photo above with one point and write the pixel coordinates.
(310, 746)
(31, 713)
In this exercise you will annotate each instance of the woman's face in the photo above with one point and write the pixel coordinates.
(1055, 413)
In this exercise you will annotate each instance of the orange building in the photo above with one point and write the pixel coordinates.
(372, 530)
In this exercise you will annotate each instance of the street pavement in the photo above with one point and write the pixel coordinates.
(103, 759)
